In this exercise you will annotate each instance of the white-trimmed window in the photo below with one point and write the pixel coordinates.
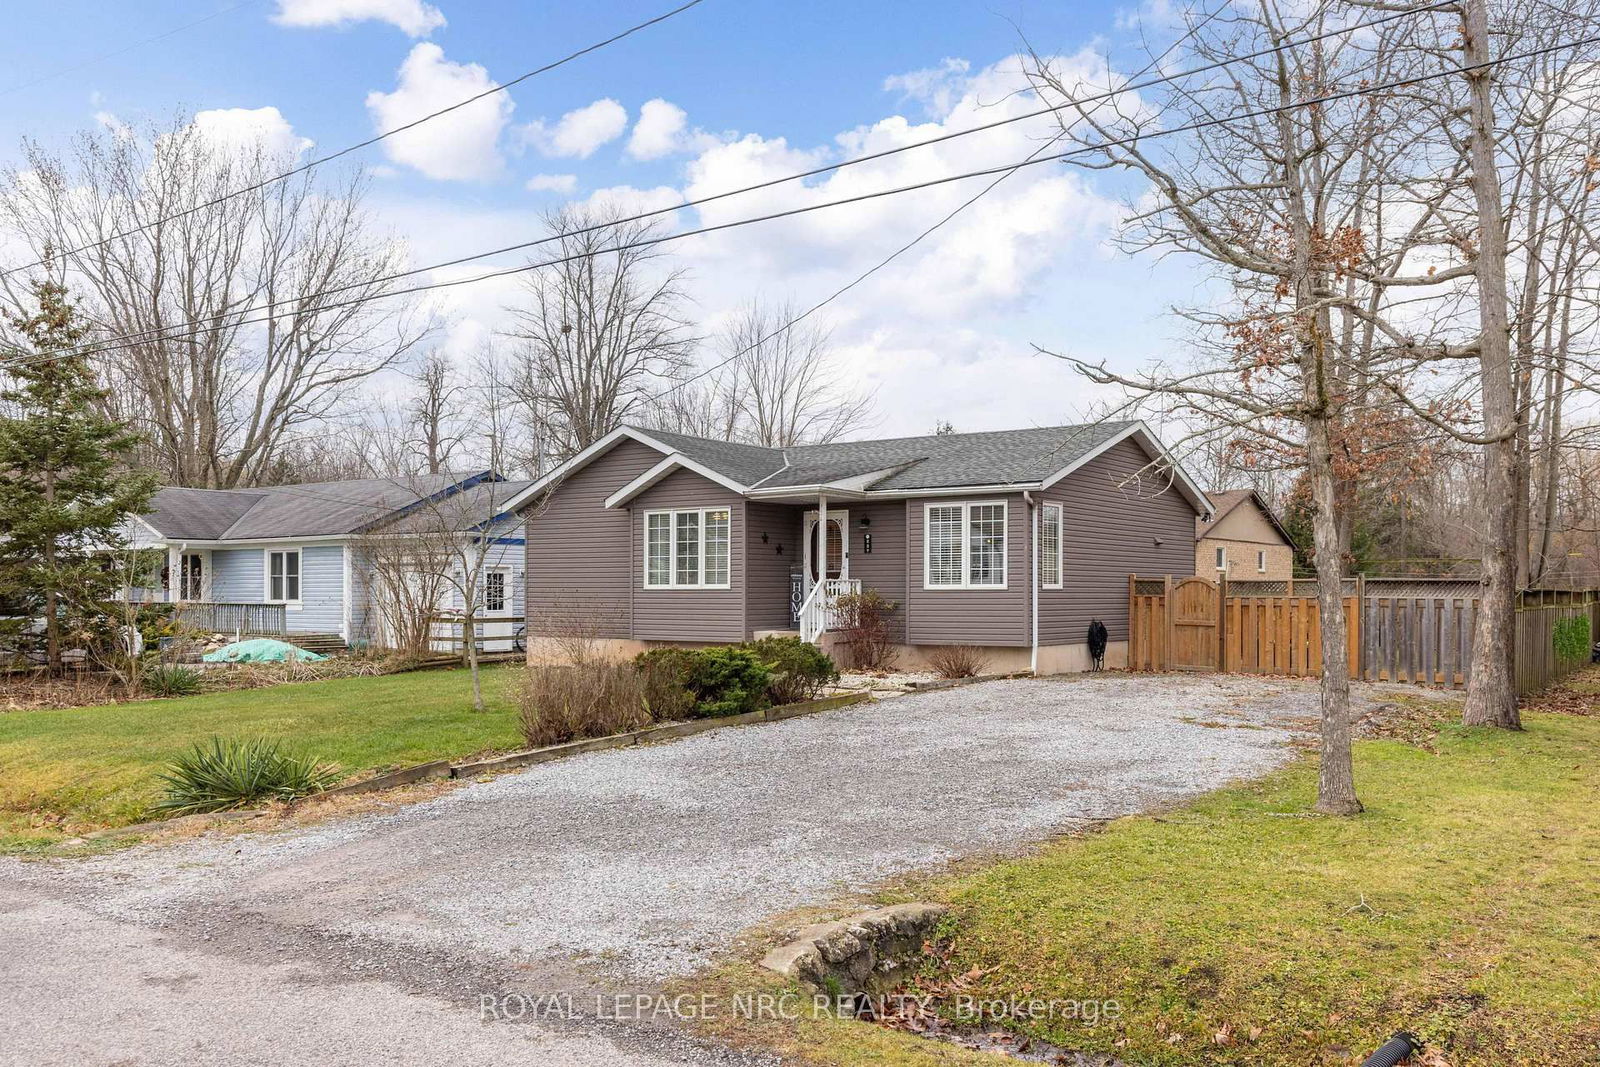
(283, 576)
(687, 549)
(1050, 546)
(964, 546)
(494, 590)
(1261, 561)
(1222, 558)
(191, 577)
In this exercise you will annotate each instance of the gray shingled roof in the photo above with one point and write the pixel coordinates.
(999, 457)
(315, 509)
(745, 464)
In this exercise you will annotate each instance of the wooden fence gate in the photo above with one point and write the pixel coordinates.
(1194, 624)
(1196, 615)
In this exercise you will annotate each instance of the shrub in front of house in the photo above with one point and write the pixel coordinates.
(728, 681)
(234, 774)
(958, 661)
(718, 681)
(863, 623)
(800, 670)
(570, 702)
(665, 674)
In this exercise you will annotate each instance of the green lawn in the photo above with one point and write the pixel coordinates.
(66, 772)
(1463, 905)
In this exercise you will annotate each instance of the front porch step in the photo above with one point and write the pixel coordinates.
(759, 634)
(321, 644)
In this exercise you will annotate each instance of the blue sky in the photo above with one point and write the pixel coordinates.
(762, 89)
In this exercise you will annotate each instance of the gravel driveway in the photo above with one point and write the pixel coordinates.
(629, 866)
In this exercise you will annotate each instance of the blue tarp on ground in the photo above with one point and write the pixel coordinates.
(259, 650)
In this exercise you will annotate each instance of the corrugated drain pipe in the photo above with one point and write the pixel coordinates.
(1394, 1050)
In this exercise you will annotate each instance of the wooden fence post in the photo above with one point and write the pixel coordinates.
(1133, 622)
(1222, 623)
(1167, 631)
(1359, 667)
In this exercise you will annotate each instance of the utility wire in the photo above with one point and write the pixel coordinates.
(896, 254)
(196, 328)
(924, 235)
(1078, 102)
(309, 164)
(41, 79)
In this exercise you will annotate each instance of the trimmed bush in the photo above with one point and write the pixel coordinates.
(234, 774)
(171, 680)
(724, 680)
(800, 670)
(570, 702)
(728, 681)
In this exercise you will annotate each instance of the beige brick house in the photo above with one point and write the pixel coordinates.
(1243, 539)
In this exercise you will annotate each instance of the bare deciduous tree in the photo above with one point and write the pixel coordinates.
(139, 221)
(597, 334)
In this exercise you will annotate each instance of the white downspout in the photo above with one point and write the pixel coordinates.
(1033, 512)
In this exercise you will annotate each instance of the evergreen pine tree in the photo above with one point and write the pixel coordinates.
(65, 487)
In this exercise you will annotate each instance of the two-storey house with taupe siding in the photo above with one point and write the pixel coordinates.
(1013, 541)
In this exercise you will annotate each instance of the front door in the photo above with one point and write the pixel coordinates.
(835, 561)
(495, 631)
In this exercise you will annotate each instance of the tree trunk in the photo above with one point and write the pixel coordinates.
(1491, 683)
(1336, 785)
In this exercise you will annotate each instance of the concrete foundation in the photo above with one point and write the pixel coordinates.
(1053, 659)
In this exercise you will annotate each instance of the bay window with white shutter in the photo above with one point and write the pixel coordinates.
(688, 548)
(964, 545)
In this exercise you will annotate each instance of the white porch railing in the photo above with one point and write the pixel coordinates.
(819, 613)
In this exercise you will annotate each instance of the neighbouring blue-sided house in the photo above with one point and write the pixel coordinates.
(308, 561)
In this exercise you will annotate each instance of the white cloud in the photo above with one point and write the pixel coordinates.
(412, 17)
(946, 330)
(937, 89)
(461, 146)
(565, 184)
(659, 131)
(244, 129)
(579, 132)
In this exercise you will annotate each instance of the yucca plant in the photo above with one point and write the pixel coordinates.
(233, 774)
(170, 680)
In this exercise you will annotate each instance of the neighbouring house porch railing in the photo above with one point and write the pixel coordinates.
(225, 617)
(820, 611)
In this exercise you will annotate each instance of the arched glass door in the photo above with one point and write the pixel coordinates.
(835, 563)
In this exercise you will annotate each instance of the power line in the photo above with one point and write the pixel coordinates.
(831, 167)
(304, 167)
(198, 328)
(919, 238)
(124, 49)
(896, 254)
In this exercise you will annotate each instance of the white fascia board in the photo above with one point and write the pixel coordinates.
(673, 462)
(581, 460)
(1187, 485)
(291, 540)
(951, 490)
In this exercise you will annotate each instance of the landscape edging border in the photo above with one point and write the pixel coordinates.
(529, 757)
(664, 732)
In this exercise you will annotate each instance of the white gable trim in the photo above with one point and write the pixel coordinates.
(581, 460)
(1187, 485)
(676, 461)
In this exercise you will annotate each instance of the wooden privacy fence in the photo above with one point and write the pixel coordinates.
(1395, 632)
